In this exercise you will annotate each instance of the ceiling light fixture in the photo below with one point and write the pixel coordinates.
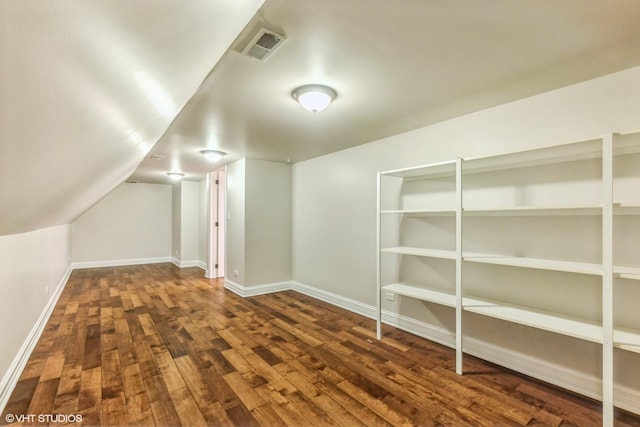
(314, 97)
(212, 155)
(175, 176)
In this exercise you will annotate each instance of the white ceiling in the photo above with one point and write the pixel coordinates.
(396, 65)
(88, 87)
(89, 90)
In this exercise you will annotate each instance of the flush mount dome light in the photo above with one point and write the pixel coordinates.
(175, 176)
(314, 97)
(212, 155)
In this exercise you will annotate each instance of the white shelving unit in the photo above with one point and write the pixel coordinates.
(535, 210)
(419, 213)
(436, 172)
(430, 253)
(539, 263)
(553, 322)
(434, 295)
(465, 203)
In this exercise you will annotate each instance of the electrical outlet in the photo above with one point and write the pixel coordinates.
(236, 273)
(389, 296)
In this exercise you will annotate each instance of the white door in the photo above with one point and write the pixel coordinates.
(216, 225)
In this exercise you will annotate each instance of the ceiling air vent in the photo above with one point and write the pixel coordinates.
(263, 44)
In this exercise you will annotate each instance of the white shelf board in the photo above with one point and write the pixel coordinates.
(626, 208)
(429, 171)
(431, 253)
(423, 293)
(578, 328)
(626, 339)
(582, 150)
(535, 210)
(537, 263)
(626, 205)
(626, 143)
(628, 276)
(626, 272)
(420, 213)
(618, 209)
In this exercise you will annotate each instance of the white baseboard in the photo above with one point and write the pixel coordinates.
(212, 273)
(421, 329)
(10, 379)
(628, 399)
(119, 262)
(250, 291)
(334, 299)
(561, 376)
(190, 263)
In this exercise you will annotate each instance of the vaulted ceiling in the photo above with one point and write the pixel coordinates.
(90, 90)
(88, 87)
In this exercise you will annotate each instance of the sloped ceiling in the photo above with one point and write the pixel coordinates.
(396, 65)
(88, 87)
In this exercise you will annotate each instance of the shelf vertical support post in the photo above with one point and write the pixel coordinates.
(607, 281)
(378, 260)
(459, 307)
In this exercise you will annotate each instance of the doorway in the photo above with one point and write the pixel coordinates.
(216, 224)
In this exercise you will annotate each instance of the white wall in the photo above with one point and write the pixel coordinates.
(334, 197)
(131, 222)
(268, 222)
(258, 240)
(203, 232)
(188, 223)
(190, 211)
(176, 221)
(235, 231)
(32, 266)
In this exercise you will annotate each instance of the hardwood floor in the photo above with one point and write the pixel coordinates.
(157, 345)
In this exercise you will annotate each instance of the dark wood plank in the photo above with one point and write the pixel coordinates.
(114, 410)
(44, 397)
(162, 408)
